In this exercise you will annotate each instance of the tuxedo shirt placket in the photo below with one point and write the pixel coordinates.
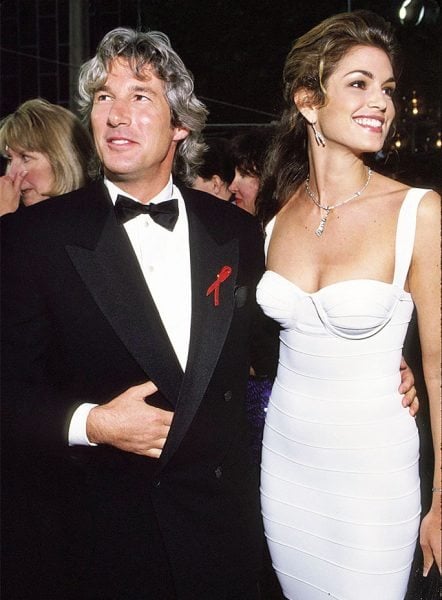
(164, 259)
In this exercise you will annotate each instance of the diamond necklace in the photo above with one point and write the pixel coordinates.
(327, 209)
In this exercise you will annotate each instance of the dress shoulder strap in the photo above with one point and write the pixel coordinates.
(405, 234)
(268, 232)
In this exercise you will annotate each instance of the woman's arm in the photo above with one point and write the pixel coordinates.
(425, 285)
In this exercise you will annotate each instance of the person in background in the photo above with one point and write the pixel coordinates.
(350, 252)
(48, 152)
(248, 151)
(217, 169)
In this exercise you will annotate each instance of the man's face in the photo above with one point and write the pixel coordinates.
(131, 124)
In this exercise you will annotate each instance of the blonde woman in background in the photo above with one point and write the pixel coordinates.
(48, 153)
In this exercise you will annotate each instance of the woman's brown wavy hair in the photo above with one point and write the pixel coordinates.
(309, 64)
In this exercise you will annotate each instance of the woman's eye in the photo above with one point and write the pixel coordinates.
(389, 91)
(358, 84)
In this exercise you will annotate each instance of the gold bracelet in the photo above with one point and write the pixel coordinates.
(436, 490)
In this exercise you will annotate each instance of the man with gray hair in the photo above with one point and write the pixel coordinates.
(127, 310)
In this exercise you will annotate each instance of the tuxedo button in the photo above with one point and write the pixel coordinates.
(156, 483)
(218, 472)
(228, 395)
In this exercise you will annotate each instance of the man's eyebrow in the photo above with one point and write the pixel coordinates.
(143, 88)
(132, 88)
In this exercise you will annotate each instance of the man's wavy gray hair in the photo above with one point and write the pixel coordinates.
(151, 48)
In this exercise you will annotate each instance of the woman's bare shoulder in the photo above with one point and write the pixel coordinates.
(429, 207)
(397, 190)
(389, 186)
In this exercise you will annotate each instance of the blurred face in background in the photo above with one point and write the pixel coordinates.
(215, 186)
(40, 178)
(245, 189)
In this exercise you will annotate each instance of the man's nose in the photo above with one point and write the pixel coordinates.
(118, 114)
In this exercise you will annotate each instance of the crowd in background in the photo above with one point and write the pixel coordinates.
(41, 143)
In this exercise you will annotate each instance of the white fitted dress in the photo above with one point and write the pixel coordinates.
(339, 481)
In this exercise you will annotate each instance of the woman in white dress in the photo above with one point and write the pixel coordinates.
(349, 253)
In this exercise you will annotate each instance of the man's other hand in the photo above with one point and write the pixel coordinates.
(129, 423)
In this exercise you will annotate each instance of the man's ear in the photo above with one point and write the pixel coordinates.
(305, 102)
(217, 183)
(179, 134)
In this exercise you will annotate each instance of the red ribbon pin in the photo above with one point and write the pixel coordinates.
(222, 276)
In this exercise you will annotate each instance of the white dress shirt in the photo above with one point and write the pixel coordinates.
(164, 258)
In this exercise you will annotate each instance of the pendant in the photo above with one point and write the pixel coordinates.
(321, 226)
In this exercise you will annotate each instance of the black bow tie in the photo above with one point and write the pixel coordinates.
(163, 213)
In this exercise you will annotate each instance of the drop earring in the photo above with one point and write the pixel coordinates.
(318, 136)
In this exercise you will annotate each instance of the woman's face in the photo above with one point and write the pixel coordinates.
(245, 188)
(359, 106)
(39, 181)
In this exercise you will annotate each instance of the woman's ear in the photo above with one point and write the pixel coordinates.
(305, 102)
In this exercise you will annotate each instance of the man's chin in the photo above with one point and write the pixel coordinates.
(118, 176)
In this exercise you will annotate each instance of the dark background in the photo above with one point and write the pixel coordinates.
(234, 48)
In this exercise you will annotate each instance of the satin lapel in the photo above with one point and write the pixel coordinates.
(113, 276)
(210, 323)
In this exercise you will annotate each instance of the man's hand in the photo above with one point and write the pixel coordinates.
(410, 398)
(128, 423)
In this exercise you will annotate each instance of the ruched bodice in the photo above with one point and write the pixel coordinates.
(353, 309)
(340, 487)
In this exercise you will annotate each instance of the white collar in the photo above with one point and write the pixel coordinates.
(166, 193)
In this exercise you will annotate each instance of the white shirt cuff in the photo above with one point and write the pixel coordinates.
(77, 427)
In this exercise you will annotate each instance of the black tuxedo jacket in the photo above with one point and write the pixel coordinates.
(79, 325)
